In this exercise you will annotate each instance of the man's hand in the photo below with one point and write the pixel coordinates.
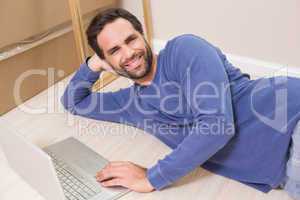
(97, 64)
(126, 174)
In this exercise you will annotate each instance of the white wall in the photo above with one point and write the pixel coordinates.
(267, 30)
(135, 7)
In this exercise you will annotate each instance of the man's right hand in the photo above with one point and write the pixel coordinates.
(97, 64)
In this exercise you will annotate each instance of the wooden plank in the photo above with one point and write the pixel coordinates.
(75, 12)
(148, 21)
(103, 81)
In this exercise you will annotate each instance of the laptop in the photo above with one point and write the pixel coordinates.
(63, 171)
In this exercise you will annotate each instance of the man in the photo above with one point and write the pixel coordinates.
(212, 115)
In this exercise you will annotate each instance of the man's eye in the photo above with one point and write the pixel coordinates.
(132, 39)
(114, 51)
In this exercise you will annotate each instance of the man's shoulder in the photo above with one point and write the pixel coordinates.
(177, 52)
(186, 43)
(186, 38)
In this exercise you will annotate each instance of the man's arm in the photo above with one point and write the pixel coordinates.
(80, 100)
(206, 89)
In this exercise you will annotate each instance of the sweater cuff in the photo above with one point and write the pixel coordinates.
(88, 74)
(156, 178)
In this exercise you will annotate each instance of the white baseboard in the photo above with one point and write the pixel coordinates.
(255, 67)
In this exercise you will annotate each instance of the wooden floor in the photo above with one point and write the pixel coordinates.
(115, 142)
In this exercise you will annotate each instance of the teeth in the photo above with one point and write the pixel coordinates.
(134, 59)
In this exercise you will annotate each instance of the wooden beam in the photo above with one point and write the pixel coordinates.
(148, 21)
(103, 81)
(76, 16)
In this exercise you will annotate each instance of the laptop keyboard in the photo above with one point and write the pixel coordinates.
(74, 187)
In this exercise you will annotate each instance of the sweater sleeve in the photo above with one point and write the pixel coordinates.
(78, 98)
(207, 93)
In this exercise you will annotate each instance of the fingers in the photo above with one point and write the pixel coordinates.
(125, 174)
(114, 165)
(112, 170)
(114, 182)
(113, 174)
(109, 174)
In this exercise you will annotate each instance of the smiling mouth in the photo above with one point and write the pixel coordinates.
(134, 63)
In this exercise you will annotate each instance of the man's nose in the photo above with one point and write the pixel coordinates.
(128, 52)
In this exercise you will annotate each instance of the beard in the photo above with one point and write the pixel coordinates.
(142, 70)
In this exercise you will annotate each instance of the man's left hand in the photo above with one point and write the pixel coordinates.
(126, 174)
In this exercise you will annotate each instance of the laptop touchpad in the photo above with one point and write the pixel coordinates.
(78, 155)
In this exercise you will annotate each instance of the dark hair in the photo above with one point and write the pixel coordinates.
(108, 16)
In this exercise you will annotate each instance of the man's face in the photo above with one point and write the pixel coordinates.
(125, 49)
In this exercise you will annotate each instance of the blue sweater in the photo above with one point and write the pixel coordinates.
(206, 110)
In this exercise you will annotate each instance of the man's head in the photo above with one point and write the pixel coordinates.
(117, 36)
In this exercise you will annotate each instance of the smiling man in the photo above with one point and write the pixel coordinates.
(126, 51)
(132, 56)
(195, 101)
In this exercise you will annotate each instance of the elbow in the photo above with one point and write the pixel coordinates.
(64, 102)
(67, 106)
